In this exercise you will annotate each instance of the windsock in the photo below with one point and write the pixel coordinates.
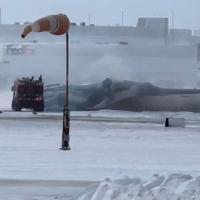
(55, 24)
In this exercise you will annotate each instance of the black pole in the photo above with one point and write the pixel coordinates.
(66, 114)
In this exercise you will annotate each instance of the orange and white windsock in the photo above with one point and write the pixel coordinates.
(55, 24)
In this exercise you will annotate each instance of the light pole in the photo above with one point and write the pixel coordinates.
(122, 18)
(57, 25)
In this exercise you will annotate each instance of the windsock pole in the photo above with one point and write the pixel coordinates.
(66, 113)
(57, 25)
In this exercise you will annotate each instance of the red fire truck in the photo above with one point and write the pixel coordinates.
(28, 93)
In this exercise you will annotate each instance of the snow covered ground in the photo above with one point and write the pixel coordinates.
(106, 144)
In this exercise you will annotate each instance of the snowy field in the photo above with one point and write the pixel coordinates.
(114, 155)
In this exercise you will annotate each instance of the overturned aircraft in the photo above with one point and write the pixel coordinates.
(122, 95)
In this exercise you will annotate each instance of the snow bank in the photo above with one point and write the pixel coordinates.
(173, 187)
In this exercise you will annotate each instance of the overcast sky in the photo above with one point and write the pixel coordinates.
(104, 12)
